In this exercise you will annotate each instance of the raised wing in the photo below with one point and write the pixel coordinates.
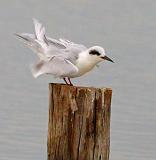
(47, 47)
(55, 43)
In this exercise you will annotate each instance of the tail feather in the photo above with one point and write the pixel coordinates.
(40, 31)
(38, 41)
(26, 37)
(29, 40)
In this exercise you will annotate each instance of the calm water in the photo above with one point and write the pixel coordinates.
(126, 28)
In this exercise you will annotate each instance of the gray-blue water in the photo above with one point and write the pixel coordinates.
(126, 28)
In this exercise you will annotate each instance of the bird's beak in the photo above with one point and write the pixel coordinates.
(108, 59)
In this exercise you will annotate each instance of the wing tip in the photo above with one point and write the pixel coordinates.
(17, 34)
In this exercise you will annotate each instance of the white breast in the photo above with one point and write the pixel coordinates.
(84, 64)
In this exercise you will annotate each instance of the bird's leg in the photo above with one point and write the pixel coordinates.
(70, 81)
(65, 81)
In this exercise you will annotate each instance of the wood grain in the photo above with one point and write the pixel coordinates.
(79, 123)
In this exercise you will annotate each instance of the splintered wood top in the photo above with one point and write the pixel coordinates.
(82, 87)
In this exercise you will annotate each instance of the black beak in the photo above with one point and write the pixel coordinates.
(107, 58)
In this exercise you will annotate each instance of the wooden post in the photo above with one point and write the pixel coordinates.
(79, 123)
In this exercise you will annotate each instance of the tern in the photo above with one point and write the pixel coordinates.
(61, 58)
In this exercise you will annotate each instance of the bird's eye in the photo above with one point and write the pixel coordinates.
(94, 52)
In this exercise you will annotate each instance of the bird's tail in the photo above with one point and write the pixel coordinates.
(40, 32)
(37, 41)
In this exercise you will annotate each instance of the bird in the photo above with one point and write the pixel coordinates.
(61, 58)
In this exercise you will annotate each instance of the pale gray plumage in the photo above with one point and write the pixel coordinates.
(56, 56)
(57, 66)
(61, 58)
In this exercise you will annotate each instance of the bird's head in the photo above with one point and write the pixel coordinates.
(98, 54)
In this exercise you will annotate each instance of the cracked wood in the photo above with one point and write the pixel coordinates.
(79, 123)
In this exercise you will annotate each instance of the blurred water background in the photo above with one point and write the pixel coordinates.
(126, 28)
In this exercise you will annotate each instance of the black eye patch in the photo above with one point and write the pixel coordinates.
(94, 52)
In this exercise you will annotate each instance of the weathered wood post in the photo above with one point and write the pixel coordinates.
(79, 123)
